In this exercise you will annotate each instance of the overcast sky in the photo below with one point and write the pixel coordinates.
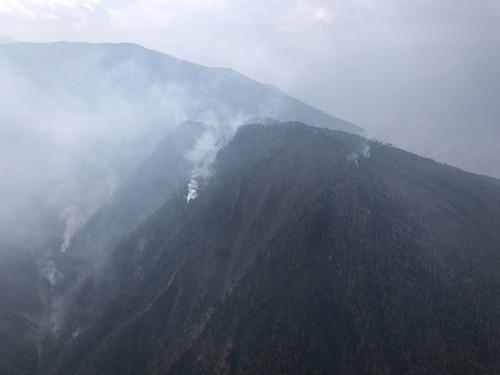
(274, 41)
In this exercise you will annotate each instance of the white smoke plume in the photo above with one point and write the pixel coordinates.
(363, 151)
(202, 157)
(192, 192)
(219, 129)
(50, 272)
(74, 220)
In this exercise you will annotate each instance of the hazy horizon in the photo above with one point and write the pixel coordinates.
(285, 43)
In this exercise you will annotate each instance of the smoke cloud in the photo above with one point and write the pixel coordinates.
(218, 131)
(363, 151)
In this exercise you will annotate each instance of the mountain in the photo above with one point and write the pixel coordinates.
(269, 247)
(20, 311)
(93, 76)
(306, 251)
(82, 165)
(439, 101)
(80, 118)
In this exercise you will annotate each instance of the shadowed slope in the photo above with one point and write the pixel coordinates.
(305, 253)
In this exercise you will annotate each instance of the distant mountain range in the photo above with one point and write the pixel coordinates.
(437, 101)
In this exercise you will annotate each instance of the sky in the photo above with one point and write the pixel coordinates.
(285, 43)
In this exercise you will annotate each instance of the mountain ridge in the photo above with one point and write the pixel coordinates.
(291, 256)
(128, 47)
